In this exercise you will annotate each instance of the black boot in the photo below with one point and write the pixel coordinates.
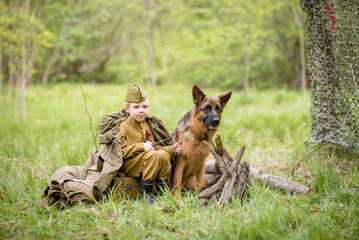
(161, 187)
(146, 188)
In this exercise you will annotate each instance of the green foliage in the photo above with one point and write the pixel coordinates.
(273, 125)
(107, 41)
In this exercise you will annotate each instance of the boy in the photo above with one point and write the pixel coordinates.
(140, 158)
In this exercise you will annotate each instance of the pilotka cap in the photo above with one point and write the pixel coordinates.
(135, 94)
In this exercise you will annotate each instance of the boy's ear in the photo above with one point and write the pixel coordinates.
(224, 98)
(126, 108)
(198, 95)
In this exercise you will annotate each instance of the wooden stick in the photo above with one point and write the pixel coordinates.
(227, 156)
(213, 180)
(210, 192)
(268, 179)
(226, 163)
(221, 164)
(226, 194)
(227, 179)
(219, 145)
(237, 158)
(240, 189)
(210, 167)
(278, 182)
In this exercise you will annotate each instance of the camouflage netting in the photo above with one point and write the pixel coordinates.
(333, 64)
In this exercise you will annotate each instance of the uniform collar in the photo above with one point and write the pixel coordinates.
(132, 121)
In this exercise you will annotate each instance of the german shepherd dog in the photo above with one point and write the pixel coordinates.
(192, 129)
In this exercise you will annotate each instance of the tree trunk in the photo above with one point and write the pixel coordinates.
(23, 82)
(302, 60)
(60, 66)
(138, 61)
(45, 76)
(273, 68)
(299, 23)
(165, 56)
(150, 44)
(114, 46)
(11, 83)
(296, 63)
(27, 53)
(246, 68)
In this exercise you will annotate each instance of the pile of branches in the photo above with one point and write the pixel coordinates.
(231, 177)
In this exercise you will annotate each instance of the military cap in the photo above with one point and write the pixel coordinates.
(135, 94)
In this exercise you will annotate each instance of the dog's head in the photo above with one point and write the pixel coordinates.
(209, 108)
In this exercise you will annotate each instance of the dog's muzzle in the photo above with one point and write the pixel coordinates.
(213, 125)
(215, 121)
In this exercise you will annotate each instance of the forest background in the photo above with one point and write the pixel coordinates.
(227, 44)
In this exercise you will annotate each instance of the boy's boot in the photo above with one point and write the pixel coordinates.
(161, 187)
(146, 188)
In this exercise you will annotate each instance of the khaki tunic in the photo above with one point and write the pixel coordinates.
(149, 165)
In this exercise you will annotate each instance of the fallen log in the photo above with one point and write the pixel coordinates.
(265, 178)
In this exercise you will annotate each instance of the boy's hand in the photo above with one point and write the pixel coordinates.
(148, 146)
(177, 147)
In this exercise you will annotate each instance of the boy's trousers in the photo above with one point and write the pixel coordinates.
(149, 165)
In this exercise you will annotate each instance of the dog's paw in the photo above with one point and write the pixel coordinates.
(179, 203)
(163, 208)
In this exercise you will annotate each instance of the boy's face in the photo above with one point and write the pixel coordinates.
(138, 111)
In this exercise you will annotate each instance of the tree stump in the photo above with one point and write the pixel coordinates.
(231, 177)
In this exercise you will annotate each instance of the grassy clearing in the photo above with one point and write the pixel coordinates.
(273, 126)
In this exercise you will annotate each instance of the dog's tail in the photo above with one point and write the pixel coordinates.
(174, 158)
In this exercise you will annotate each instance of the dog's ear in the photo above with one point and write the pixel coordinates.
(225, 98)
(198, 95)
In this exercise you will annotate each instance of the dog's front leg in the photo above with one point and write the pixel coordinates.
(201, 178)
(178, 177)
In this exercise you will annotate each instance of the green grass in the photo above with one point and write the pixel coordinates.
(273, 125)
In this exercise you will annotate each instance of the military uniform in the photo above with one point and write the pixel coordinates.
(149, 165)
(87, 184)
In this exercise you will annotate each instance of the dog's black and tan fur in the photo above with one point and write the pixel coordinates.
(191, 130)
